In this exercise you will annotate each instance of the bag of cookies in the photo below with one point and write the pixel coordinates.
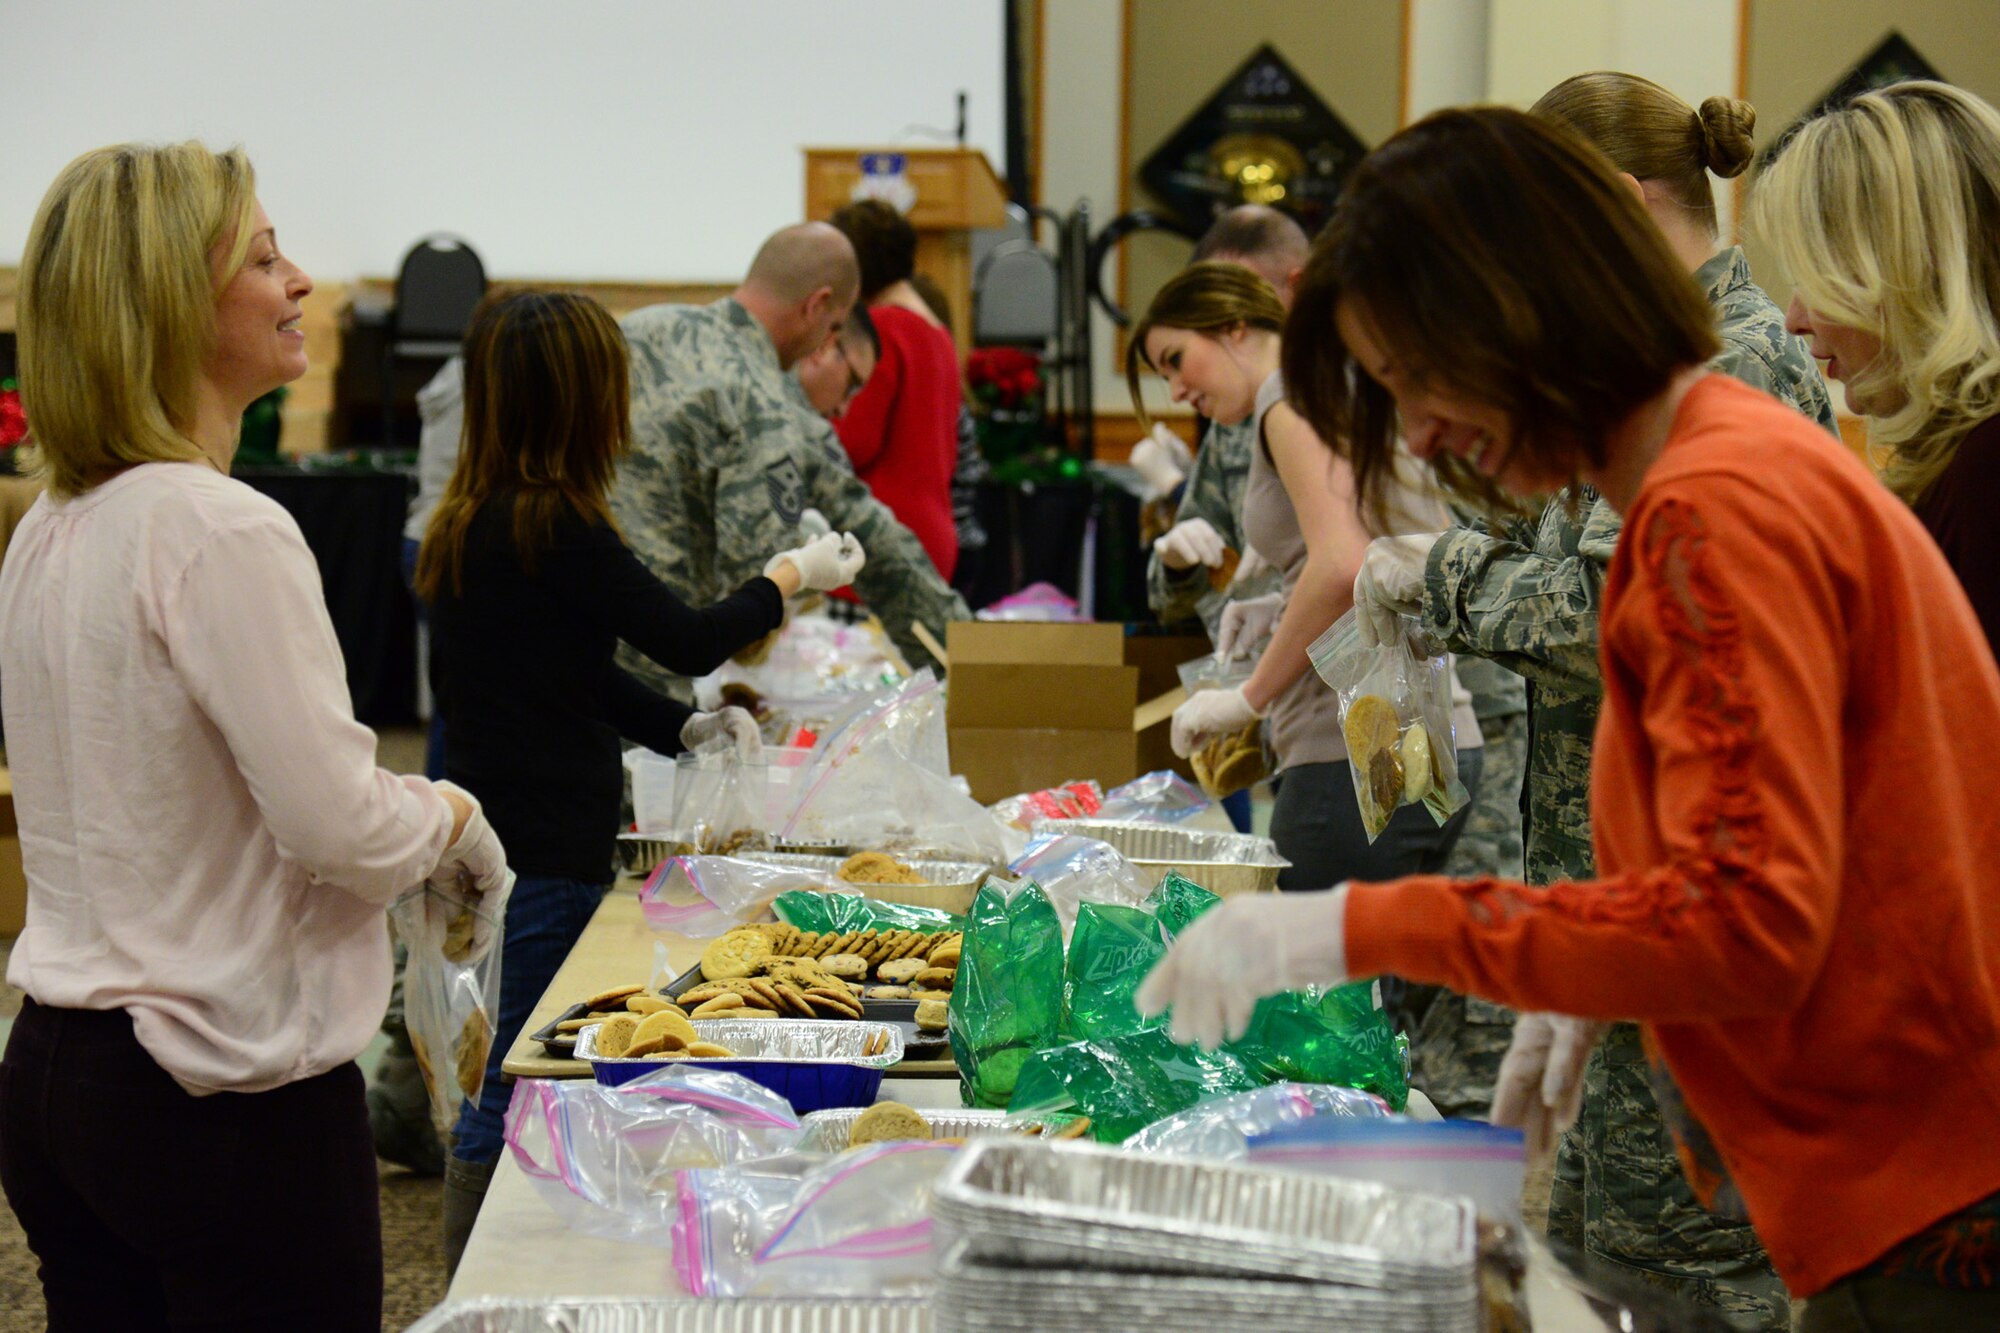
(606, 1158)
(450, 1003)
(1237, 761)
(1125, 1083)
(1395, 711)
(1007, 999)
(719, 800)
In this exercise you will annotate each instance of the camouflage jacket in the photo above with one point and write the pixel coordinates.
(1214, 491)
(726, 454)
(1528, 597)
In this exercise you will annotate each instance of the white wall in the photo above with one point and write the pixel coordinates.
(639, 139)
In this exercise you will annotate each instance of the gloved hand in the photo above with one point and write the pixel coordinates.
(1391, 584)
(1162, 461)
(734, 723)
(1252, 945)
(813, 524)
(1251, 567)
(1208, 714)
(1190, 542)
(473, 871)
(824, 563)
(1246, 624)
(1539, 1090)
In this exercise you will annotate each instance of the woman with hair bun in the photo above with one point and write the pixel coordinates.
(1887, 215)
(1530, 601)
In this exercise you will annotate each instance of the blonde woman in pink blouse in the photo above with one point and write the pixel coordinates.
(208, 843)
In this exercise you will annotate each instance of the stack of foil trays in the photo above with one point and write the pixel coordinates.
(1077, 1237)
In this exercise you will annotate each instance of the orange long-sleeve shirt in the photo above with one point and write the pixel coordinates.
(1792, 792)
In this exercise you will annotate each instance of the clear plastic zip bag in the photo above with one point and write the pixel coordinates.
(1395, 712)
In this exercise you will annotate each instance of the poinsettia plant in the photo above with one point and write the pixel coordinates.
(1004, 378)
(13, 417)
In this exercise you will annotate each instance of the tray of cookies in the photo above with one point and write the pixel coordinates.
(558, 1036)
(923, 882)
(810, 1064)
(1222, 863)
(638, 853)
(884, 1122)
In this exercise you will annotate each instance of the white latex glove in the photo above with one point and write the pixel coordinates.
(1391, 583)
(472, 870)
(824, 563)
(1246, 624)
(1161, 460)
(813, 524)
(1251, 567)
(1191, 542)
(1253, 945)
(1208, 714)
(734, 723)
(1539, 1090)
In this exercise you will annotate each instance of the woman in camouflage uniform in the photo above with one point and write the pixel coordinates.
(1530, 601)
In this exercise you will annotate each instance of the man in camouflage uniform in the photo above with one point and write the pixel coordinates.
(727, 451)
(1532, 605)
(1457, 1041)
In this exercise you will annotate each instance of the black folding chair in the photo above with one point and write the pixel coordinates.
(437, 289)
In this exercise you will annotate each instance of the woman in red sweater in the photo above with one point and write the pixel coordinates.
(901, 430)
(1791, 779)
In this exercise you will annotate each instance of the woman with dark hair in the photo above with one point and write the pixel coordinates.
(1530, 600)
(901, 430)
(1794, 856)
(531, 590)
(1212, 332)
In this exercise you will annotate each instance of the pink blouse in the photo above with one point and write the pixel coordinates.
(208, 842)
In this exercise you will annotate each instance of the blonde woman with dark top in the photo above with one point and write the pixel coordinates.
(208, 843)
(1886, 215)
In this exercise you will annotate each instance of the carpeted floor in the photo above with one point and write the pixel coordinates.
(413, 1260)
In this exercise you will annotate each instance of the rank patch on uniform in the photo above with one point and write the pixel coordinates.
(788, 489)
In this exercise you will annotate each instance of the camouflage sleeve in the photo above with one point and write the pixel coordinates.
(1782, 369)
(1533, 613)
(899, 582)
(1213, 491)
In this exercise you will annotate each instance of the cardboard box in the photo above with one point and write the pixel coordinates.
(13, 881)
(1031, 705)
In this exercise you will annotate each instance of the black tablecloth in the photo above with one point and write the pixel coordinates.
(353, 521)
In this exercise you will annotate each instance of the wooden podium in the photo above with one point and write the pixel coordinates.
(956, 192)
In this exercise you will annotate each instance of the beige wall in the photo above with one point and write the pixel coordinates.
(1350, 51)
(1801, 48)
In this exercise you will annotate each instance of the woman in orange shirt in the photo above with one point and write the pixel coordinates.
(1791, 777)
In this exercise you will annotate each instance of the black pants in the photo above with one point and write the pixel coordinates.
(153, 1209)
(1316, 822)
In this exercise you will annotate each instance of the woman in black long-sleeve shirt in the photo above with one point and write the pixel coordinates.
(531, 589)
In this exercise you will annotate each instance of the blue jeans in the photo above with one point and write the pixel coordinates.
(544, 918)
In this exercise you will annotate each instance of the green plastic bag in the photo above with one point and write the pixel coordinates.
(811, 910)
(1007, 1000)
(1315, 1035)
(1126, 1083)
(1111, 950)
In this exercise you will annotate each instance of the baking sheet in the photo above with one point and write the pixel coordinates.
(827, 1131)
(749, 1315)
(779, 1040)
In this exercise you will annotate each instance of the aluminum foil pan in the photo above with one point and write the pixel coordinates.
(827, 1131)
(638, 853)
(749, 1315)
(1142, 842)
(781, 1040)
(976, 1297)
(936, 874)
(1067, 1205)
